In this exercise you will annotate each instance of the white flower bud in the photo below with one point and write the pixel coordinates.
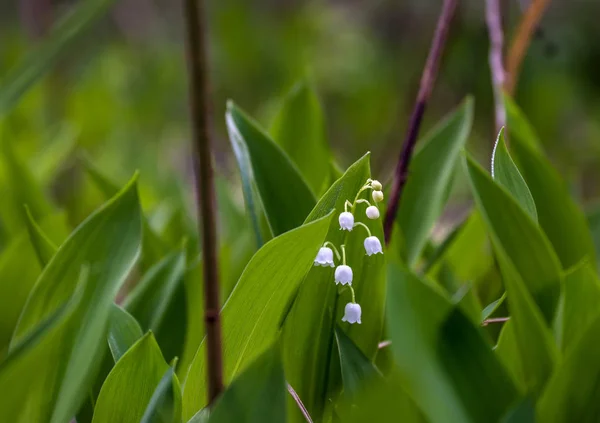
(343, 275)
(346, 221)
(372, 212)
(376, 185)
(377, 196)
(352, 313)
(324, 257)
(373, 245)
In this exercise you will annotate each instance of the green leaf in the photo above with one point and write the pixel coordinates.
(252, 315)
(593, 218)
(556, 209)
(158, 303)
(519, 127)
(299, 129)
(128, 389)
(194, 331)
(506, 173)
(523, 412)
(108, 242)
(425, 192)
(284, 194)
(123, 331)
(257, 395)
(310, 359)
(44, 248)
(492, 307)
(357, 369)
(165, 404)
(449, 369)
(513, 230)
(572, 393)
(37, 62)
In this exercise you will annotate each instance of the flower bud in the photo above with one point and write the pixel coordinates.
(376, 185)
(372, 212)
(377, 196)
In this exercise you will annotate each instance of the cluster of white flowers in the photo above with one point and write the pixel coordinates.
(343, 273)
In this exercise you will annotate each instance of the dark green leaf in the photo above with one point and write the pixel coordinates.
(357, 369)
(123, 332)
(165, 404)
(523, 412)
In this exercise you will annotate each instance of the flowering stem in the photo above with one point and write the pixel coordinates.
(335, 250)
(343, 254)
(348, 203)
(366, 186)
(362, 200)
(353, 296)
(364, 226)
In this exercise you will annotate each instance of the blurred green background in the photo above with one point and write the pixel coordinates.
(120, 95)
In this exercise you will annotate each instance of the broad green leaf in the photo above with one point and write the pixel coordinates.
(310, 360)
(357, 369)
(579, 304)
(506, 173)
(158, 303)
(257, 395)
(508, 353)
(572, 393)
(449, 369)
(165, 404)
(252, 315)
(556, 209)
(38, 61)
(201, 416)
(194, 331)
(44, 248)
(108, 242)
(127, 390)
(284, 194)
(299, 129)
(513, 230)
(123, 331)
(431, 172)
(519, 127)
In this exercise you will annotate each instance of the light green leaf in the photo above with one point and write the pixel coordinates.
(165, 404)
(194, 332)
(123, 331)
(257, 395)
(252, 315)
(44, 248)
(519, 127)
(310, 360)
(449, 369)
(201, 416)
(556, 209)
(37, 62)
(357, 369)
(525, 245)
(506, 173)
(431, 172)
(492, 307)
(108, 242)
(299, 129)
(129, 386)
(284, 194)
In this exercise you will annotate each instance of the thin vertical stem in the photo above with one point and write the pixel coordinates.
(493, 19)
(426, 86)
(205, 192)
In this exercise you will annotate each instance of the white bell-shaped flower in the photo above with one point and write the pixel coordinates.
(376, 185)
(372, 212)
(377, 196)
(343, 275)
(346, 221)
(324, 257)
(352, 313)
(373, 245)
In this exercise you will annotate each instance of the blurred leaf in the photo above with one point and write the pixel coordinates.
(258, 394)
(123, 331)
(299, 129)
(165, 404)
(593, 219)
(44, 248)
(523, 412)
(129, 386)
(579, 305)
(449, 369)
(201, 416)
(357, 369)
(508, 353)
(108, 241)
(252, 315)
(310, 360)
(194, 331)
(519, 127)
(492, 307)
(572, 393)
(505, 172)
(556, 209)
(152, 302)
(46, 163)
(286, 197)
(513, 231)
(425, 192)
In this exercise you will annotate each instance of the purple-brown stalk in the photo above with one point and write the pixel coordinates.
(205, 195)
(427, 80)
(494, 24)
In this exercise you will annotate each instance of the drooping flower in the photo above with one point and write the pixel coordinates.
(343, 275)
(352, 313)
(346, 220)
(377, 196)
(372, 212)
(373, 245)
(376, 185)
(324, 257)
